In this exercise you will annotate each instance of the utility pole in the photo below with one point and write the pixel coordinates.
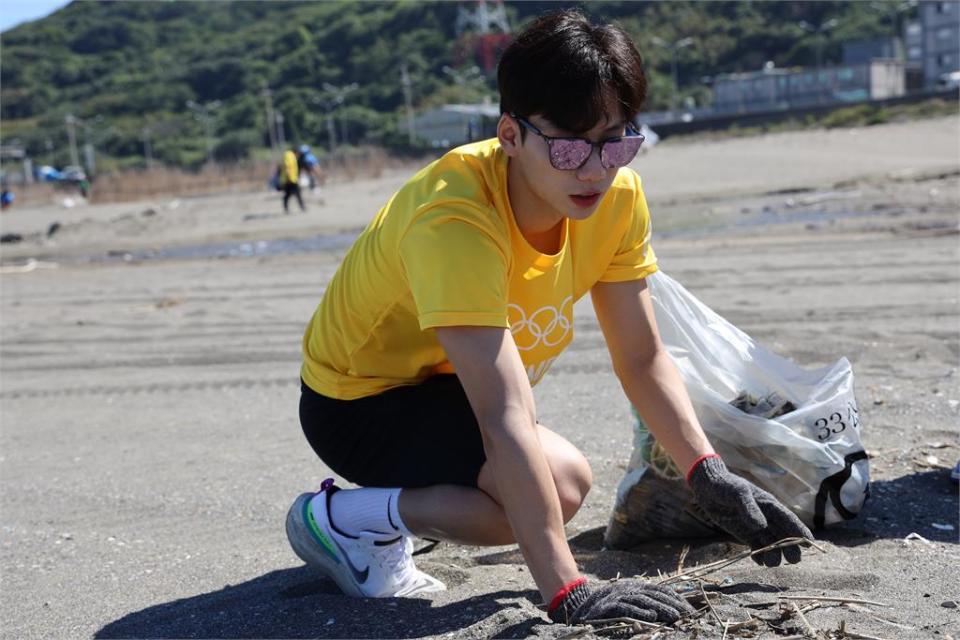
(818, 33)
(71, 122)
(326, 105)
(408, 100)
(674, 48)
(483, 18)
(147, 150)
(204, 113)
(271, 133)
(281, 134)
(331, 131)
(89, 154)
(89, 160)
(462, 78)
(339, 96)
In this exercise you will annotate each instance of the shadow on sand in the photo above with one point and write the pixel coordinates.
(896, 508)
(911, 503)
(296, 603)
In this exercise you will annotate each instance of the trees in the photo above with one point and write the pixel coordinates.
(143, 61)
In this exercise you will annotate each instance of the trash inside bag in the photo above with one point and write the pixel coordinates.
(794, 432)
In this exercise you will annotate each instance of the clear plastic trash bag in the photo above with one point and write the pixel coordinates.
(809, 454)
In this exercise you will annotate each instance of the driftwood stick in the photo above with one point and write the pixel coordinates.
(833, 599)
(712, 610)
(770, 603)
(703, 570)
(860, 636)
(576, 633)
(642, 623)
(682, 557)
(808, 629)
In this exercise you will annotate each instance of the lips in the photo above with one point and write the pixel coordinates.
(585, 199)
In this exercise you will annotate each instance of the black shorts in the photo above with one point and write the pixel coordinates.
(411, 436)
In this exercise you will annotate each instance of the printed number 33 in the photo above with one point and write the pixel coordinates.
(835, 423)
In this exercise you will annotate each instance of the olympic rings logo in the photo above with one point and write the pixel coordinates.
(548, 325)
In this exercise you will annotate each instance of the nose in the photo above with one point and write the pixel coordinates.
(592, 170)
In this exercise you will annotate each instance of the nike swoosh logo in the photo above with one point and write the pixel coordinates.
(359, 576)
(313, 527)
(389, 519)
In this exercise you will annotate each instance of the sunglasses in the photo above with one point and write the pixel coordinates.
(567, 154)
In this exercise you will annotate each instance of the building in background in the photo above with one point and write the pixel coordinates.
(940, 35)
(913, 56)
(913, 44)
(784, 89)
(863, 51)
(455, 124)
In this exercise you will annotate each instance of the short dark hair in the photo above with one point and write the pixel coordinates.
(563, 67)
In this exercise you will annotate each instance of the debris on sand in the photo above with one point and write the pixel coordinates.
(166, 303)
(916, 536)
(31, 264)
(785, 616)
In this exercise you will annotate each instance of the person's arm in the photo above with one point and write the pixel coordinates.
(653, 384)
(648, 375)
(489, 367)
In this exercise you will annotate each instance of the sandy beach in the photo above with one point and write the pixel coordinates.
(150, 447)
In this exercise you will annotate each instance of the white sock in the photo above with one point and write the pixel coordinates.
(368, 511)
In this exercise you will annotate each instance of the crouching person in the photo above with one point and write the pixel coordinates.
(455, 300)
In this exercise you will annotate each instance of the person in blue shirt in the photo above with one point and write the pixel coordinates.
(311, 166)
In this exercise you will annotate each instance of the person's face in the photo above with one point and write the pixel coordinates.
(571, 193)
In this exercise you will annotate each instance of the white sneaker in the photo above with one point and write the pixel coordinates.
(364, 566)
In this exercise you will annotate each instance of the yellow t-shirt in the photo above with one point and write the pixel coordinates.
(291, 170)
(446, 251)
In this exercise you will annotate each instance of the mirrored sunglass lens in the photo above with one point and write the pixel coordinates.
(569, 154)
(619, 153)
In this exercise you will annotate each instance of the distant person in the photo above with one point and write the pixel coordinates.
(6, 199)
(456, 299)
(309, 164)
(289, 179)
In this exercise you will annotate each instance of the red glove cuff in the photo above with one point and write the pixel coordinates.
(698, 461)
(564, 591)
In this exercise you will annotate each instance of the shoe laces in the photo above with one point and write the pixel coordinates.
(395, 558)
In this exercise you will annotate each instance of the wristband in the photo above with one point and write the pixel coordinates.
(697, 462)
(564, 592)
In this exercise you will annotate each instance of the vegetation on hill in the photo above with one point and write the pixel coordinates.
(128, 69)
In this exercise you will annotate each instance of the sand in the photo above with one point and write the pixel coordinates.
(149, 444)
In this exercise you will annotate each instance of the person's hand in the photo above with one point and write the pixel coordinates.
(745, 511)
(626, 598)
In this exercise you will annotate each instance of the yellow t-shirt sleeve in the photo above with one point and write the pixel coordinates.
(634, 258)
(456, 272)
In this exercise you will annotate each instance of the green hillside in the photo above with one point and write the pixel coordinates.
(127, 69)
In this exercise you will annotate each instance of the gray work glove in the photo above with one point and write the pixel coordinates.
(745, 511)
(627, 598)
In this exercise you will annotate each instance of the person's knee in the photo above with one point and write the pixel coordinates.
(573, 478)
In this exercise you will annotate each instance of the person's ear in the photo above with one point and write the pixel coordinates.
(508, 132)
